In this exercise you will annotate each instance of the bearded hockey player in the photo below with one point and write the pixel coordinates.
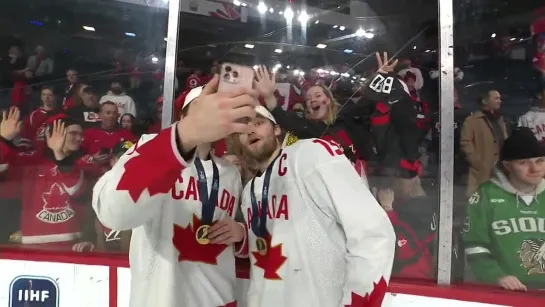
(316, 234)
(170, 190)
(505, 237)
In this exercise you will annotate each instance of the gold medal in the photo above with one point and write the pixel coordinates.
(201, 235)
(261, 246)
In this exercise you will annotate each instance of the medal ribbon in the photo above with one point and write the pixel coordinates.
(208, 202)
(259, 219)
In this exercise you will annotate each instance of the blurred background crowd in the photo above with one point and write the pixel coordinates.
(101, 64)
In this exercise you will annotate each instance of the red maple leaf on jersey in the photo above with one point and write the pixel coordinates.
(370, 300)
(272, 261)
(150, 169)
(56, 199)
(190, 250)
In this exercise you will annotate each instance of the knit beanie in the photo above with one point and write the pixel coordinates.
(522, 144)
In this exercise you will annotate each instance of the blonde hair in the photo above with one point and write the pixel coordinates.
(334, 106)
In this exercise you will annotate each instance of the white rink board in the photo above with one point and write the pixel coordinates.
(79, 285)
(88, 286)
(391, 300)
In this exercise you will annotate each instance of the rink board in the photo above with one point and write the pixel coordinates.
(104, 280)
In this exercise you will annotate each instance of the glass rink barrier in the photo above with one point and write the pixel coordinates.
(423, 187)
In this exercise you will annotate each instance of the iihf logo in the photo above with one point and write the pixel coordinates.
(33, 291)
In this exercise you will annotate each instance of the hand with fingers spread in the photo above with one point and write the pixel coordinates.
(213, 116)
(11, 124)
(226, 231)
(265, 86)
(512, 283)
(56, 137)
(383, 64)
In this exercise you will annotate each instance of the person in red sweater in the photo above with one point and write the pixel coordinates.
(99, 141)
(52, 182)
(34, 125)
(156, 126)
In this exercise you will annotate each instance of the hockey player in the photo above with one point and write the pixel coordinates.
(505, 240)
(316, 234)
(169, 190)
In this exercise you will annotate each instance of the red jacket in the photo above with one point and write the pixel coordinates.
(98, 139)
(50, 191)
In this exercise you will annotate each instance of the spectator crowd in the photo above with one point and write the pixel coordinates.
(56, 140)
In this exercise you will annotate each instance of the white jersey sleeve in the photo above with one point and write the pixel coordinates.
(339, 192)
(535, 120)
(135, 189)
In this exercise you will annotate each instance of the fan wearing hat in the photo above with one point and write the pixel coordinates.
(170, 190)
(52, 184)
(505, 234)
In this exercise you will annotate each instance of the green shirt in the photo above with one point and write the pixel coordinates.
(505, 235)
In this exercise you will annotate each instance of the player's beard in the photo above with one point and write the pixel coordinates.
(261, 154)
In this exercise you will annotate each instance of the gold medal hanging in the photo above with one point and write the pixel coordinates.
(201, 235)
(261, 245)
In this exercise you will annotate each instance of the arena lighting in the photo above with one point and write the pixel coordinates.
(256, 67)
(333, 73)
(278, 65)
(288, 67)
(360, 32)
(317, 22)
(261, 8)
(319, 70)
(348, 51)
(130, 34)
(346, 75)
(244, 4)
(236, 2)
(362, 79)
(342, 28)
(493, 35)
(249, 46)
(278, 50)
(354, 77)
(296, 72)
(302, 73)
(321, 46)
(88, 28)
(335, 26)
(512, 39)
(271, 10)
(369, 35)
(414, 47)
(303, 17)
(154, 59)
(288, 13)
(165, 39)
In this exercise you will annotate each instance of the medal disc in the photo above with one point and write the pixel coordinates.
(202, 235)
(261, 246)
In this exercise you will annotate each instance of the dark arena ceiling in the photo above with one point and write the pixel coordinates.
(404, 27)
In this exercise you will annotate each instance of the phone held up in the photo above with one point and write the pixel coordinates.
(234, 77)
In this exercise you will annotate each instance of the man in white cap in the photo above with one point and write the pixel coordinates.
(316, 234)
(170, 191)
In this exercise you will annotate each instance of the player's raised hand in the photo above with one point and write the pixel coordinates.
(213, 116)
(226, 231)
(383, 64)
(11, 124)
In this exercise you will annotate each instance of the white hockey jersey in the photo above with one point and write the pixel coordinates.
(535, 120)
(330, 244)
(153, 191)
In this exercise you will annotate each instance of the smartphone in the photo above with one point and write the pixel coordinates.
(233, 77)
